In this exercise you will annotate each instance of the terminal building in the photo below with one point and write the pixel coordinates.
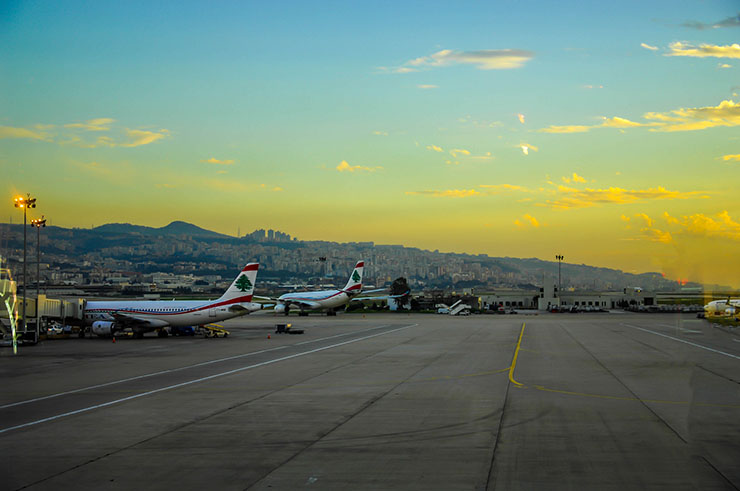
(549, 298)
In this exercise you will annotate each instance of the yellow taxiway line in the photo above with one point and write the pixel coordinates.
(516, 355)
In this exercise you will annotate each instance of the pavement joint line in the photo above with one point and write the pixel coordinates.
(491, 475)
(604, 396)
(633, 399)
(415, 381)
(684, 341)
(516, 355)
(340, 335)
(172, 370)
(198, 380)
(368, 403)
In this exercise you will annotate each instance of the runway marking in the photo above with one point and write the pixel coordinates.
(198, 380)
(172, 370)
(415, 381)
(516, 355)
(684, 341)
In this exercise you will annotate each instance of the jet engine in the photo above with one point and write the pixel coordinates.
(280, 309)
(103, 328)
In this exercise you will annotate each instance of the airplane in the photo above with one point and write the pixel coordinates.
(140, 316)
(731, 306)
(323, 299)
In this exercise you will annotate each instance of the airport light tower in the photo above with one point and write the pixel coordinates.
(24, 203)
(560, 258)
(38, 223)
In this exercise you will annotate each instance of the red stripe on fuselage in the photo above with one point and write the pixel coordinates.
(246, 298)
(309, 299)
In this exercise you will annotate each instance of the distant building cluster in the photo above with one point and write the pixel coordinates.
(121, 261)
(262, 235)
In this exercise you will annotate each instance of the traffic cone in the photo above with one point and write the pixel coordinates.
(114, 339)
(268, 337)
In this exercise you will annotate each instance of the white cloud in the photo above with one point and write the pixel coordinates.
(485, 59)
(727, 113)
(216, 161)
(528, 219)
(459, 151)
(447, 193)
(526, 147)
(11, 132)
(679, 48)
(345, 167)
(98, 124)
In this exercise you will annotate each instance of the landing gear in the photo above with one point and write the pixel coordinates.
(162, 333)
(303, 313)
(331, 312)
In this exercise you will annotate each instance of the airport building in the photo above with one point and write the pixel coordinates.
(549, 298)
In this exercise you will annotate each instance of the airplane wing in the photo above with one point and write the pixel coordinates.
(237, 308)
(269, 299)
(380, 297)
(304, 304)
(128, 320)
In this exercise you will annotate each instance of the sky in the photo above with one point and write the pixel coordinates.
(607, 133)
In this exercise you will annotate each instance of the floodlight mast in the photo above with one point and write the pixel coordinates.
(559, 257)
(24, 203)
(38, 223)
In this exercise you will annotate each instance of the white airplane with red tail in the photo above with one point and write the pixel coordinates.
(140, 316)
(324, 299)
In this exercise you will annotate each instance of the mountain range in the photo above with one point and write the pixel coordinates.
(137, 248)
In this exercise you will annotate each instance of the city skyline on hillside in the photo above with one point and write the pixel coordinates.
(603, 132)
(124, 248)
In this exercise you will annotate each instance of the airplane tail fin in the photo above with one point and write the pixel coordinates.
(355, 280)
(242, 287)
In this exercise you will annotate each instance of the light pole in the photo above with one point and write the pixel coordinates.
(25, 203)
(559, 258)
(38, 223)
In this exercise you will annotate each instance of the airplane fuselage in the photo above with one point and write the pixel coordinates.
(160, 313)
(723, 307)
(325, 299)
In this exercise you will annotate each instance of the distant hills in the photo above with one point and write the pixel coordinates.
(174, 228)
(141, 249)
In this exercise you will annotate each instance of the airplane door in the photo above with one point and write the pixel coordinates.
(211, 312)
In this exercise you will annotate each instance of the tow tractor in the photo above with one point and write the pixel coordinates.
(287, 329)
(213, 331)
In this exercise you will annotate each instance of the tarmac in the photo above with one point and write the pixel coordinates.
(381, 401)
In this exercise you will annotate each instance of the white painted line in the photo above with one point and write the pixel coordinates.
(138, 377)
(202, 379)
(684, 341)
(172, 370)
(338, 335)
